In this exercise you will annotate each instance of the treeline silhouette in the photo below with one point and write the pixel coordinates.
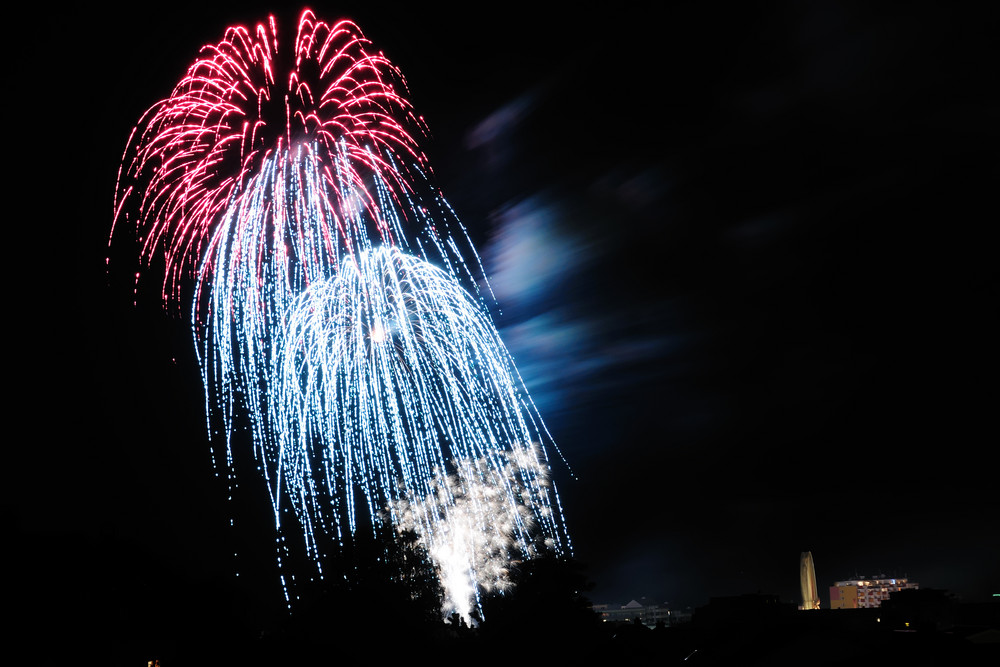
(384, 605)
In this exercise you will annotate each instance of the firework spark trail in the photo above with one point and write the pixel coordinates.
(251, 280)
(254, 271)
(390, 373)
(259, 185)
(303, 210)
(195, 154)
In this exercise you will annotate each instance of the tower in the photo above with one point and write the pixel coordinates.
(807, 579)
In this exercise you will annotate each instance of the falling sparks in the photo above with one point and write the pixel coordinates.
(388, 374)
(335, 301)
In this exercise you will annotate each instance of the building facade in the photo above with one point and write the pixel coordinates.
(866, 593)
(647, 614)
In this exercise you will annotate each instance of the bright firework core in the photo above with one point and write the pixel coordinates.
(477, 521)
(334, 304)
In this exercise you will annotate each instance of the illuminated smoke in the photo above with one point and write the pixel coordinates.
(477, 521)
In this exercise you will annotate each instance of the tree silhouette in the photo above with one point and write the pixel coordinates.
(384, 594)
(547, 606)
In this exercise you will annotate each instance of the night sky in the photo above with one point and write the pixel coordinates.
(743, 262)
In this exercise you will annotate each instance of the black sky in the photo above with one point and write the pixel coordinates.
(764, 317)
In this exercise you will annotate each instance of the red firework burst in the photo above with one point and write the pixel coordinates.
(192, 155)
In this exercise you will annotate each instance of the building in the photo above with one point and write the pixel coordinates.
(647, 614)
(866, 593)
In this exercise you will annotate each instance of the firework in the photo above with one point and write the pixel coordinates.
(203, 147)
(332, 300)
(335, 135)
(476, 521)
(387, 375)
